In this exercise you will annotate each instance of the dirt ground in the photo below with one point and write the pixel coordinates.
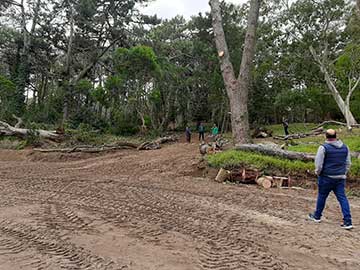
(149, 211)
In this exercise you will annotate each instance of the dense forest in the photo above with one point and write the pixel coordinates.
(104, 65)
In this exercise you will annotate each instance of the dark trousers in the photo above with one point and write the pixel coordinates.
(188, 138)
(326, 185)
(286, 130)
(201, 136)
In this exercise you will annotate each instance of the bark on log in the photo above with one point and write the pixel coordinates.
(278, 152)
(89, 148)
(272, 151)
(8, 130)
(265, 182)
(156, 144)
(245, 176)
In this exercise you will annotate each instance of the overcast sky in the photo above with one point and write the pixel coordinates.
(170, 8)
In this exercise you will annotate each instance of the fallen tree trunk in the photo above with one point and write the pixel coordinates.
(8, 130)
(273, 151)
(315, 132)
(331, 122)
(156, 144)
(89, 148)
(278, 152)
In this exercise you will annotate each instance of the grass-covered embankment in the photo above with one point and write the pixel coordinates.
(268, 164)
(306, 145)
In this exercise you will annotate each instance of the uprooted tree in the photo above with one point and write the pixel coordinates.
(237, 88)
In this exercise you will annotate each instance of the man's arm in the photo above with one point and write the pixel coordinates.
(348, 161)
(319, 160)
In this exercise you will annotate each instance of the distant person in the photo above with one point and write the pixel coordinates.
(201, 130)
(332, 163)
(188, 134)
(285, 123)
(215, 132)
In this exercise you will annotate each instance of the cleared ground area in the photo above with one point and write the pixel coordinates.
(148, 210)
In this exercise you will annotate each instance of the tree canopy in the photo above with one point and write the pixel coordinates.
(104, 64)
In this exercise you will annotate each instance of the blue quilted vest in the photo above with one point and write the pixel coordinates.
(335, 160)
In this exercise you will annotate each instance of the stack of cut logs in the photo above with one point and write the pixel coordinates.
(250, 176)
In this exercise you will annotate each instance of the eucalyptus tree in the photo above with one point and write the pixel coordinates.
(237, 87)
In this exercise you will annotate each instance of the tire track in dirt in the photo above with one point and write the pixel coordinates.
(20, 237)
(231, 227)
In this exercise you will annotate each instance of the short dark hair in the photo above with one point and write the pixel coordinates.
(331, 134)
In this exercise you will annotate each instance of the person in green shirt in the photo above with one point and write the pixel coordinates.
(215, 132)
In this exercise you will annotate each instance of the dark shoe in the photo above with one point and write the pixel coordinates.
(347, 226)
(313, 218)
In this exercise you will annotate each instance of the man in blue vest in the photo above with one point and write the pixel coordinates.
(332, 163)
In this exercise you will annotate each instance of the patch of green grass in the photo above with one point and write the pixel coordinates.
(352, 141)
(233, 158)
(268, 164)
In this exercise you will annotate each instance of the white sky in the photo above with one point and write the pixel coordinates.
(170, 8)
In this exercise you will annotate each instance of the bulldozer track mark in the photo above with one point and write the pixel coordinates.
(23, 237)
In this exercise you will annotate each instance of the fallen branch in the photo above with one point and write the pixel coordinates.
(331, 122)
(89, 149)
(8, 130)
(314, 132)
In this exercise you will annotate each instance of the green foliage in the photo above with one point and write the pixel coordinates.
(268, 164)
(33, 137)
(83, 87)
(7, 98)
(136, 62)
(123, 124)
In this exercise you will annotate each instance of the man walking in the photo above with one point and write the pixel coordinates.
(332, 163)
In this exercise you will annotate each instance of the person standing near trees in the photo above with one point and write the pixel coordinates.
(332, 163)
(188, 134)
(285, 123)
(201, 130)
(214, 132)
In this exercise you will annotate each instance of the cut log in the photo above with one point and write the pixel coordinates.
(245, 176)
(222, 175)
(273, 151)
(265, 182)
(8, 130)
(261, 132)
(153, 145)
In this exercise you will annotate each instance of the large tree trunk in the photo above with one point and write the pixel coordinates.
(8, 130)
(273, 151)
(237, 88)
(342, 105)
(67, 73)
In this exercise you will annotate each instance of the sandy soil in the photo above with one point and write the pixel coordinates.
(148, 211)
